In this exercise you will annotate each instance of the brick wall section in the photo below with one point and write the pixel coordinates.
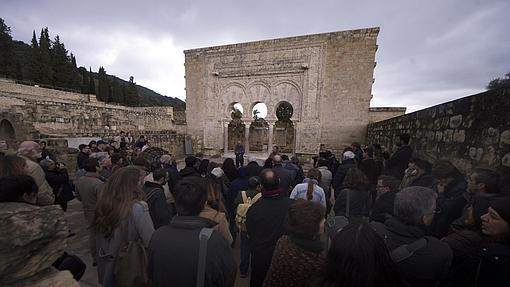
(471, 132)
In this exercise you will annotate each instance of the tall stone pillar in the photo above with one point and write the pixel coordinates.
(247, 137)
(225, 137)
(270, 140)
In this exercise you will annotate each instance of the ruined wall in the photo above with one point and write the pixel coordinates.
(383, 113)
(471, 132)
(36, 112)
(327, 78)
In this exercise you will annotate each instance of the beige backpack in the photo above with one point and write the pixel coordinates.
(242, 209)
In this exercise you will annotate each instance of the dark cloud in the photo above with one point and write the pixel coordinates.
(429, 51)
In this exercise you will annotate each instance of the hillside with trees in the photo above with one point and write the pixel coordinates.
(47, 63)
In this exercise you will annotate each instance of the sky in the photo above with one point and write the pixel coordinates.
(429, 51)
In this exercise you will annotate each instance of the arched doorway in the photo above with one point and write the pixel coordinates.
(6, 130)
(259, 128)
(235, 126)
(284, 131)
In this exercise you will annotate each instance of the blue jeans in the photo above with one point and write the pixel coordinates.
(244, 265)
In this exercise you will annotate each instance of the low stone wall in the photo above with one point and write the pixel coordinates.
(471, 132)
(29, 112)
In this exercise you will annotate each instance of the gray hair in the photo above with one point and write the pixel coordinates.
(277, 159)
(412, 203)
(100, 156)
(166, 158)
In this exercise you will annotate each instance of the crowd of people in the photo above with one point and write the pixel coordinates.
(370, 218)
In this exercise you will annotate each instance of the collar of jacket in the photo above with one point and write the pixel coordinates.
(314, 245)
(272, 193)
(396, 226)
(94, 175)
(153, 184)
(323, 167)
(192, 222)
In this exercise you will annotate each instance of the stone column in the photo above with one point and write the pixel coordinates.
(225, 137)
(247, 137)
(270, 140)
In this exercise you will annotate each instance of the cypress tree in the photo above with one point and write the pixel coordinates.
(103, 87)
(7, 65)
(34, 64)
(75, 73)
(132, 97)
(46, 74)
(117, 96)
(92, 83)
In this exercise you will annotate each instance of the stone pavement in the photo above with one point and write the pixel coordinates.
(78, 245)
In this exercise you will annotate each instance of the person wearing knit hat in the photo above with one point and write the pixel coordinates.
(496, 222)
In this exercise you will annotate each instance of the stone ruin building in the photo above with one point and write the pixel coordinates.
(322, 82)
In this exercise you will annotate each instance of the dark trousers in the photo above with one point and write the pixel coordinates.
(239, 160)
(244, 265)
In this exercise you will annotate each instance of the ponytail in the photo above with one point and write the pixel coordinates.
(309, 191)
(313, 174)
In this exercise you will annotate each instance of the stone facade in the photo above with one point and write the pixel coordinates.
(471, 132)
(327, 78)
(29, 112)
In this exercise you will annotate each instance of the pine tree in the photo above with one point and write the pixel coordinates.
(7, 64)
(46, 73)
(60, 64)
(92, 83)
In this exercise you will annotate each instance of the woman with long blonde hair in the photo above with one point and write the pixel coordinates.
(215, 210)
(121, 215)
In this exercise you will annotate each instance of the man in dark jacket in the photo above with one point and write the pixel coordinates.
(414, 209)
(253, 168)
(88, 188)
(265, 223)
(174, 249)
(189, 169)
(285, 175)
(450, 187)
(239, 152)
(348, 162)
(83, 155)
(168, 163)
(387, 188)
(58, 179)
(155, 197)
(399, 160)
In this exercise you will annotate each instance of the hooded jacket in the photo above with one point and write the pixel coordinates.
(173, 255)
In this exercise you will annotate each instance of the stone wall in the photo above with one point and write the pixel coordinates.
(327, 78)
(383, 113)
(471, 132)
(35, 113)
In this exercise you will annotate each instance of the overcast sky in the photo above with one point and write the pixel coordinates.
(429, 51)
